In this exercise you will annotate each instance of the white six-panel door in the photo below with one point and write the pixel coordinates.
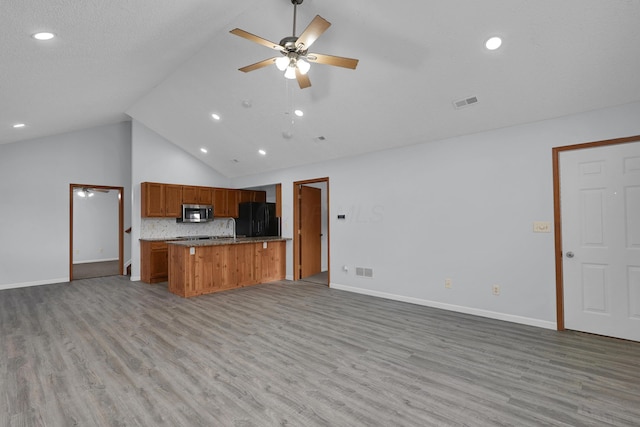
(600, 211)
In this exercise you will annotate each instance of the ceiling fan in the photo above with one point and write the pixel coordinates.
(89, 191)
(295, 50)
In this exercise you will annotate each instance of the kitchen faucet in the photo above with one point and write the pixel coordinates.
(233, 220)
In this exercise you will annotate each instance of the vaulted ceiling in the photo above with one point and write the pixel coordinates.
(171, 64)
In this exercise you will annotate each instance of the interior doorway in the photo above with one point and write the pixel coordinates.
(96, 235)
(597, 237)
(311, 231)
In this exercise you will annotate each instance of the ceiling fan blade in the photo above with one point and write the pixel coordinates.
(337, 61)
(314, 30)
(303, 79)
(258, 65)
(256, 39)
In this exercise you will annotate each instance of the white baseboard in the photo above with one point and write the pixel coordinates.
(451, 307)
(36, 283)
(289, 277)
(135, 278)
(95, 260)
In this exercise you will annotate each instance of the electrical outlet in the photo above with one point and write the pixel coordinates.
(447, 283)
(541, 227)
(495, 289)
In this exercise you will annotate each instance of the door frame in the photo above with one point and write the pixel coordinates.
(296, 221)
(557, 218)
(121, 231)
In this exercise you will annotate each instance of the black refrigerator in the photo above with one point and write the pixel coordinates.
(257, 219)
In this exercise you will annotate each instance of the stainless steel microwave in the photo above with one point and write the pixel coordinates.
(196, 213)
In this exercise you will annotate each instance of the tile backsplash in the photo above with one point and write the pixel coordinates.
(154, 228)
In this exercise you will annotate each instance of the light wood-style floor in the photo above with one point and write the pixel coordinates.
(110, 352)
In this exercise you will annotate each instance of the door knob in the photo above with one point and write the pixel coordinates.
(570, 254)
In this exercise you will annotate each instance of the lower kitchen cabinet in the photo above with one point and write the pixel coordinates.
(154, 261)
(197, 270)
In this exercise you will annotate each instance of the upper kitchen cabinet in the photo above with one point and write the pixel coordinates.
(252, 196)
(166, 200)
(225, 202)
(192, 195)
(233, 198)
(161, 200)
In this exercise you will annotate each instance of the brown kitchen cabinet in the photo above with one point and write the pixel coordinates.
(218, 267)
(193, 195)
(160, 200)
(252, 196)
(165, 200)
(223, 203)
(271, 261)
(154, 261)
(233, 197)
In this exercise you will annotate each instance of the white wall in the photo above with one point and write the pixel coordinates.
(154, 159)
(95, 227)
(460, 208)
(34, 190)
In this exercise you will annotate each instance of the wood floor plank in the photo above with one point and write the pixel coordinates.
(111, 352)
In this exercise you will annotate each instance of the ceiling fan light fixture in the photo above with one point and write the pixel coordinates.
(282, 63)
(290, 73)
(303, 66)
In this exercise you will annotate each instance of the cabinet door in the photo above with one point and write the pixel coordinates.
(245, 196)
(259, 196)
(220, 202)
(152, 199)
(159, 264)
(154, 261)
(189, 195)
(205, 196)
(233, 198)
(173, 201)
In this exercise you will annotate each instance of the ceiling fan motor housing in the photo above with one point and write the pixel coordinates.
(289, 43)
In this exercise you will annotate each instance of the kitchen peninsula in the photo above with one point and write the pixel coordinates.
(198, 267)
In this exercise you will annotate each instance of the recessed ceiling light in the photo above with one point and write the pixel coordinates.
(19, 125)
(493, 43)
(204, 150)
(43, 36)
(262, 152)
(215, 116)
(299, 113)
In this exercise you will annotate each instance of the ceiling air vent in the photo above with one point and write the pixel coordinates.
(461, 103)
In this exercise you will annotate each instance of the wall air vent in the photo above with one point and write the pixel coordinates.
(461, 103)
(364, 272)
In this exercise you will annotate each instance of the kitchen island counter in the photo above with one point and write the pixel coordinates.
(217, 241)
(198, 267)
